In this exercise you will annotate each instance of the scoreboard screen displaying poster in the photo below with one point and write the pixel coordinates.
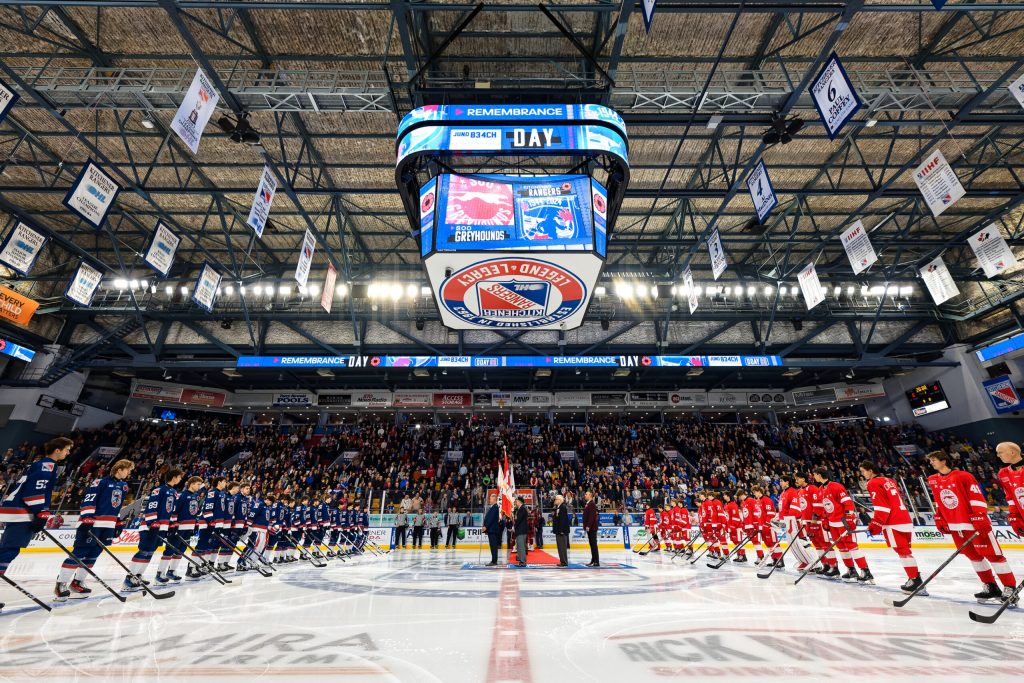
(927, 398)
(515, 213)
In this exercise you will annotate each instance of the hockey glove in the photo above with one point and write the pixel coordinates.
(850, 521)
(1017, 524)
(875, 529)
(982, 523)
(38, 522)
(941, 525)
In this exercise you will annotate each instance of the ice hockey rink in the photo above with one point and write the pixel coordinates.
(422, 616)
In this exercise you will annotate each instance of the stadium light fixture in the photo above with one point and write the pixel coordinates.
(341, 290)
(313, 290)
(410, 291)
(121, 283)
(184, 291)
(600, 290)
(284, 291)
(169, 290)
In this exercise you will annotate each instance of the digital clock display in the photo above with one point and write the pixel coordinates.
(927, 398)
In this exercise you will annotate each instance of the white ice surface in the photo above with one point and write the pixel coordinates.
(421, 617)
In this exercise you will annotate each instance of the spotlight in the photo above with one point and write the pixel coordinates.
(782, 130)
(147, 123)
(241, 131)
(604, 324)
(420, 322)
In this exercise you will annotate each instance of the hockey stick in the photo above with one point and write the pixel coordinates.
(108, 551)
(643, 545)
(82, 565)
(792, 542)
(230, 546)
(26, 593)
(707, 546)
(960, 549)
(990, 618)
(195, 563)
(732, 552)
(812, 565)
(687, 550)
(303, 553)
(250, 550)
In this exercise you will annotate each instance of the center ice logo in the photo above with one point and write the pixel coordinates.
(948, 499)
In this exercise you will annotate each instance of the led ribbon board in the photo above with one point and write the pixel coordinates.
(508, 361)
(512, 251)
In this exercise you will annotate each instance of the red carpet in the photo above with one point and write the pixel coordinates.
(535, 557)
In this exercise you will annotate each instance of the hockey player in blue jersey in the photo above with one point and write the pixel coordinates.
(335, 530)
(321, 522)
(258, 519)
(156, 521)
(212, 520)
(231, 510)
(99, 513)
(363, 522)
(183, 526)
(274, 536)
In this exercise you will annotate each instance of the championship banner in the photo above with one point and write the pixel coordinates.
(761, 192)
(92, 194)
(1016, 89)
(413, 399)
(938, 281)
(834, 97)
(858, 247)
(811, 287)
(260, 211)
(21, 248)
(648, 6)
(327, 296)
(195, 111)
(83, 285)
(162, 248)
(1004, 396)
(204, 294)
(17, 351)
(717, 255)
(305, 258)
(992, 251)
(938, 183)
(691, 294)
(8, 98)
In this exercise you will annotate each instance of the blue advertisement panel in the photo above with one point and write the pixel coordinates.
(16, 351)
(511, 112)
(1001, 348)
(506, 361)
(484, 213)
(600, 204)
(1002, 393)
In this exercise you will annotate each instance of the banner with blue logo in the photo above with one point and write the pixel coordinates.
(16, 351)
(92, 194)
(21, 248)
(1004, 396)
(83, 285)
(160, 253)
(648, 7)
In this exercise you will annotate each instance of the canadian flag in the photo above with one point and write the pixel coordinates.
(507, 487)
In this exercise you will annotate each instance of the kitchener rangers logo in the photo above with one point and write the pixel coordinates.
(193, 507)
(513, 292)
(169, 504)
(115, 498)
(1019, 495)
(949, 499)
(802, 503)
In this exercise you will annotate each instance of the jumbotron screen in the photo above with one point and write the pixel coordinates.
(513, 213)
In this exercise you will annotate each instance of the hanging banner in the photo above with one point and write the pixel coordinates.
(761, 191)
(160, 253)
(648, 6)
(8, 98)
(92, 194)
(305, 258)
(260, 211)
(938, 280)
(834, 96)
(1004, 396)
(992, 251)
(1016, 89)
(327, 296)
(195, 111)
(83, 285)
(691, 293)
(204, 294)
(811, 287)
(938, 183)
(21, 248)
(858, 247)
(717, 254)
(16, 307)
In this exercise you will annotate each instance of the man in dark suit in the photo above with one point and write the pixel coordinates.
(522, 530)
(560, 527)
(493, 527)
(590, 526)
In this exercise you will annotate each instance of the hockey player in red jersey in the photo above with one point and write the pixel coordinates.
(702, 518)
(1011, 478)
(960, 510)
(716, 513)
(651, 523)
(750, 516)
(681, 525)
(765, 530)
(891, 519)
(813, 513)
(665, 525)
(791, 502)
(734, 526)
(842, 522)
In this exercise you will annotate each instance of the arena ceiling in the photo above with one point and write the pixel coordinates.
(325, 83)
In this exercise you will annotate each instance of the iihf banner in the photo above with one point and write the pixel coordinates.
(8, 98)
(92, 194)
(160, 254)
(1002, 393)
(810, 285)
(938, 281)
(205, 291)
(859, 249)
(992, 251)
(194, 113)
(260, 211)
(717, 254)
(305, 258)
(1016, 88)
(691, 294)
(938, 183)
(21, 248)
(833, 96)
(83, 285)
(761, 191)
